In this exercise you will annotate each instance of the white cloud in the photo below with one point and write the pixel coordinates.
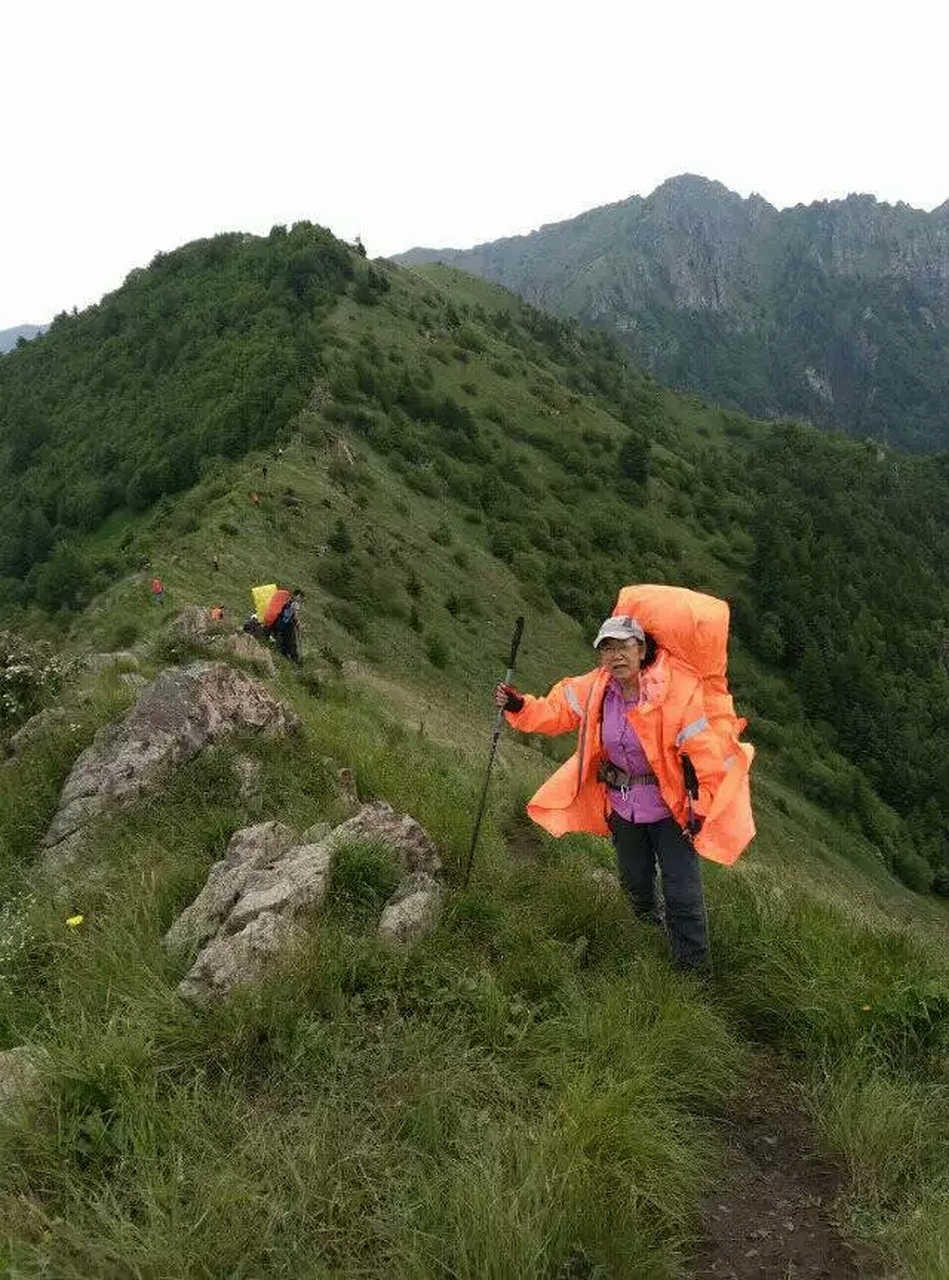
(135, 127)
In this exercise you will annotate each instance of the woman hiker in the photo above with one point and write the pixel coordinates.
(646, 768)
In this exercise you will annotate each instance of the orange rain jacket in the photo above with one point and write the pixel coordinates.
(670, 720)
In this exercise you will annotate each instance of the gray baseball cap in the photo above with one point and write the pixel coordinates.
(621, 627)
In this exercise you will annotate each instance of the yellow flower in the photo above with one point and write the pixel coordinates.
(74, 921)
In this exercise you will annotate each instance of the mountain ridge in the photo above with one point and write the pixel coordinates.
(836, 312)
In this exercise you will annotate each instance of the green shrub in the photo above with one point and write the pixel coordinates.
(437, 651)
(914, 871)
(123, 634)
(349, 616)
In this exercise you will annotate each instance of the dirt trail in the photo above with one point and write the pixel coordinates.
(769, 1216)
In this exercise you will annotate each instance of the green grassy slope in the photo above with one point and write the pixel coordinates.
(507, 1100)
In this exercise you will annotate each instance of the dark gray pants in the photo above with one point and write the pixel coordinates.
(639, 847)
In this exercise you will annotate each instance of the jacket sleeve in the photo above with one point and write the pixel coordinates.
(698, 740)
(558, 712)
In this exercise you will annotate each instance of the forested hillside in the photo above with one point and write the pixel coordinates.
(835, 312)
(201, 357)
(534, 436)
(23, 332)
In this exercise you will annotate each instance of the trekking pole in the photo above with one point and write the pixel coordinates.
(498, 722)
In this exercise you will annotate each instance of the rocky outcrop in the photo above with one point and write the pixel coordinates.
(181, 712)
(249, 909)
(98, 662)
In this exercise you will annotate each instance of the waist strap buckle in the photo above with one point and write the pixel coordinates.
(618, 779)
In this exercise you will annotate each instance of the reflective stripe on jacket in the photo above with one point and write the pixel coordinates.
(670, 721)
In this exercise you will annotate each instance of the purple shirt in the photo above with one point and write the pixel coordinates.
(643, 801)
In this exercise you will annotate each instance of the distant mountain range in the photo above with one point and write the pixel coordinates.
(10, 337)
(836, 312)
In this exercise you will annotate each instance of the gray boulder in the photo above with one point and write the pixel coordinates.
(231, 960)
(183, 710)
(413, 846)
(194, 623)
(249, 908)
(96, 662)
(250, 850)
(413, 910)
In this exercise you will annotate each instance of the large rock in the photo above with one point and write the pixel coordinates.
(247, 910)
(96, 662)
(181, 712)
(231, 960)
(250, 850)
(413, 910)
(412, 845)
(195, 623)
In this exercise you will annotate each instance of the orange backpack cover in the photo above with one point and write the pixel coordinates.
(694, 628)
(275, 606)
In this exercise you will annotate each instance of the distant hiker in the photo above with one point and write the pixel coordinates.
(282, 621)
(216, 562)
(158, 591)
(655, 749)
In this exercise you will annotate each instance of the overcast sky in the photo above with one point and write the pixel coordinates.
(135, 127)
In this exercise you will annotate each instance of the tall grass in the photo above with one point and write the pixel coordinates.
(530, 1092)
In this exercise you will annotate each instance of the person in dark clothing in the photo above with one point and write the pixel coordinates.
(286, 629)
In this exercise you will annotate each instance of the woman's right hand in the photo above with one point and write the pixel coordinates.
(507, 697)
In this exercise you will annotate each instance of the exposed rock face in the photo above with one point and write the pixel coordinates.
(230, 960)
(413, 846)
(248, 909)
(249, 775)
(181, 712)
(19, 1078)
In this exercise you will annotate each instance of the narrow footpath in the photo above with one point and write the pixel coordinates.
(770, 1215)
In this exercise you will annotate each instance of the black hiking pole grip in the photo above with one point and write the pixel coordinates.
(498, 722)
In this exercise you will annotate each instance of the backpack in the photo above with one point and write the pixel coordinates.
(275, 607)
(694, 628)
